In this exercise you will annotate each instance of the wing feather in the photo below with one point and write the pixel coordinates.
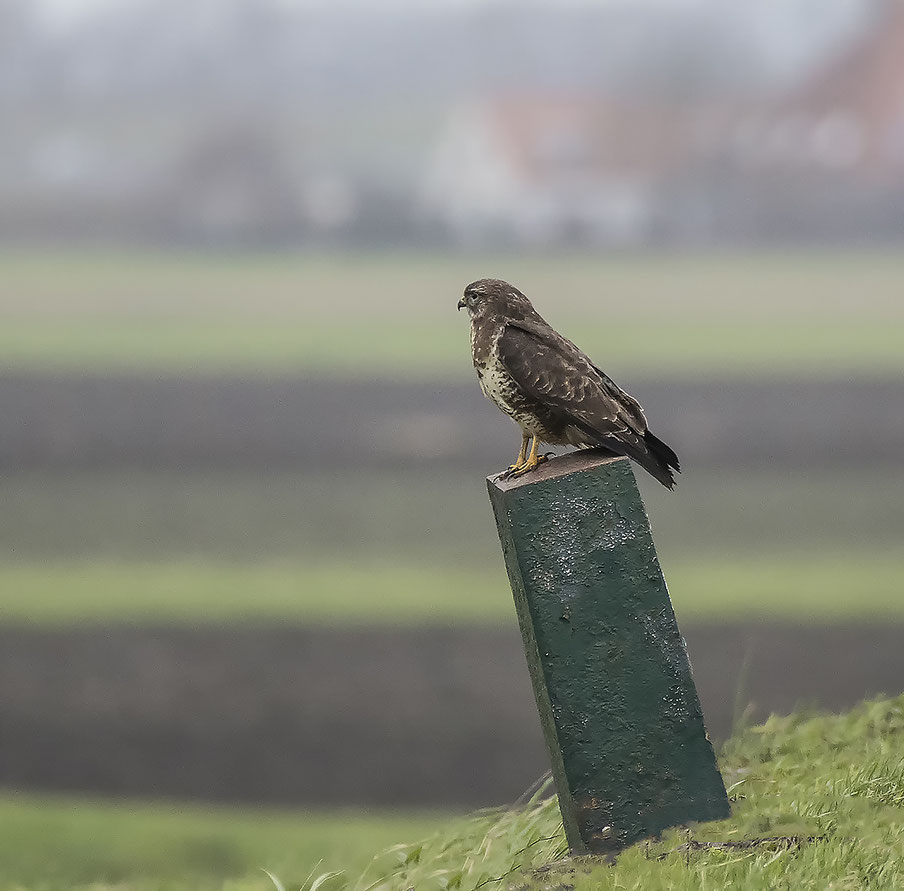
(552, 371)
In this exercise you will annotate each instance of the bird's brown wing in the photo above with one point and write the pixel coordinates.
(553, 372)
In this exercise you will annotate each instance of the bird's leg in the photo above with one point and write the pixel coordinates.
(522, 455)
(533, 459)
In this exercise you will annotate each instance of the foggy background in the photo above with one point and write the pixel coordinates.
(256, 123)
(246, 554)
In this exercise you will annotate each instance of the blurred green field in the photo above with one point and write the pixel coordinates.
(417, 517)
(392, 348)
(769, 312)
(49, 844)
(194, 546)
(412, 548)
(816, 588)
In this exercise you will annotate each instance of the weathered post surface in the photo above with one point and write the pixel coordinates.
(619, 709)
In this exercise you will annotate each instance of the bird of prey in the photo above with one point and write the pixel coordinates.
(551, 389)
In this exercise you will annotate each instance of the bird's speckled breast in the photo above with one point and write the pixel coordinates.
(495, 381)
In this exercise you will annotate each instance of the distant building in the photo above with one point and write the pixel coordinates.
(549, 168)
(846, 118)
(620, 171)
(826, 160)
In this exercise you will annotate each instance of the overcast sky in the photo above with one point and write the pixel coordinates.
(786, 30)
(64, 11)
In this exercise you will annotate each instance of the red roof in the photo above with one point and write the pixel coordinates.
(548, 135)
(867, 82)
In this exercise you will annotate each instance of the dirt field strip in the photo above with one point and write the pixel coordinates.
(437, 717)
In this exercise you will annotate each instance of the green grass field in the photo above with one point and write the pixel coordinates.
(818, 803)
(50, 844)
(399, 349)
(815, 588)
(769, 312)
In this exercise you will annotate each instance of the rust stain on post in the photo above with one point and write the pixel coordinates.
(609, 668)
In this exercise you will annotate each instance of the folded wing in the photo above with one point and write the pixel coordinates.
(567, 390)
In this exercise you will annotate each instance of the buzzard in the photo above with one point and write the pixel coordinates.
(549, 388)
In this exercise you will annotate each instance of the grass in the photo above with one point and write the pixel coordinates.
(801, 588)
(818, 803)
(769, 312)
(51, 844)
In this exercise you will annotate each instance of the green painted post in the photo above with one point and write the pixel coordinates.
(618, 705)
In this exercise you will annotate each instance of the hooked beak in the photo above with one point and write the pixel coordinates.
(462, 304)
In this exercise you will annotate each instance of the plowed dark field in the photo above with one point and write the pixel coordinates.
(328, 717)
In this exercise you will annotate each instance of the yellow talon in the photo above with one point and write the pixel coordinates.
(533, 460)
(522, 456)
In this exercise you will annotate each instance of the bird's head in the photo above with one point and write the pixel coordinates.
(492, 295)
